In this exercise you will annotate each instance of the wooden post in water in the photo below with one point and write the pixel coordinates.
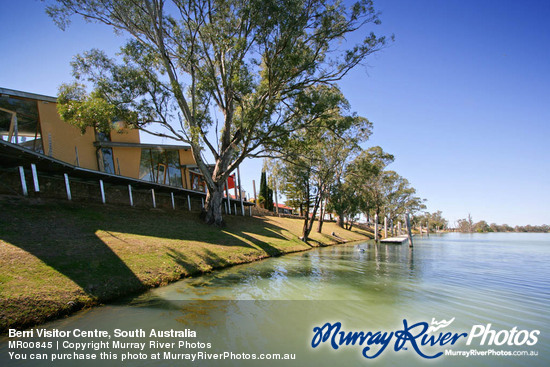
(409, 233)
(376, 227)
(428, 229)
(385, 227)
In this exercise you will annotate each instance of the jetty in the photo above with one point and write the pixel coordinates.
(397, 240)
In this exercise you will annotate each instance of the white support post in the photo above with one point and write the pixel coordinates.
(23, 181)
(235, 208)
(277, 201)
(202, 201)
(173, 202)
(255, 197)
(102, 188)
(153, 196)
(35, 178)
(250, 210)
(67, 186)
(228, 199)
(385, 227)
(130, 194)
(189, 202)
(240, 190)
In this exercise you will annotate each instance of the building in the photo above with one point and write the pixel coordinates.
(283, 209)
(31, 121)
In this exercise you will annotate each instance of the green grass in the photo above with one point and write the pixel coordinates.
(58, 257)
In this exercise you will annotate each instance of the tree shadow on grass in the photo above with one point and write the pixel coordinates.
(64, 236)
(59, 241)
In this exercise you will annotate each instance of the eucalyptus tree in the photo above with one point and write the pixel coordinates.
(399, 196)
(187, 62)
(315, 159)
(365, 173)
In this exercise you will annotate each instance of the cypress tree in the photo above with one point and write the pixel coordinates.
(263, 190)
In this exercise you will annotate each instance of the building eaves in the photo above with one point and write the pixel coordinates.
(17, 93)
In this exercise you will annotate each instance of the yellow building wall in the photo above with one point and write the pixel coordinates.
(125, 136)
(128, 159)
(65, 138)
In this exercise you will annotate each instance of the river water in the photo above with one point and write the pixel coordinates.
(273, 306)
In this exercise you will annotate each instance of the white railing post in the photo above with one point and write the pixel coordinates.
(35, 178)
(102, 191)
(67, 186)
(23, 181)
(130, 194)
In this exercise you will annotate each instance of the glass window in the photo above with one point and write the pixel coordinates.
(161, 173)
(101, 136)
(107, 163)
(161, 166)
(146, 171)
(197, 182)
(19, 122)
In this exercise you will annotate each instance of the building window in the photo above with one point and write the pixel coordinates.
(106, 161)
(197, 181)
(160, 166)
(19, 123)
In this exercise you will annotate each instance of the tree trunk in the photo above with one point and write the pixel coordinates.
(321, 219)
(340, 221)
(305, 231)
(212, 212)
(315, 208)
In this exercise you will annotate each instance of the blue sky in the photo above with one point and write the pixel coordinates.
(461, 98)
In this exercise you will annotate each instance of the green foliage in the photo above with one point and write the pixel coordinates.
(435, 220)
(259, 64)
(314, 159)
(466, 225)
(269, 201)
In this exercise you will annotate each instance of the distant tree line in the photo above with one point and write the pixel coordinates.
(467, 225)
(434, 221)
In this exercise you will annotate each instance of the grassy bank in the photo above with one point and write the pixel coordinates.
(58, 257)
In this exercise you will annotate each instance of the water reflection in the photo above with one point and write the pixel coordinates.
(273, 305)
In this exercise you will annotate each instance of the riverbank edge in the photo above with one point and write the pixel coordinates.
(33, 307)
